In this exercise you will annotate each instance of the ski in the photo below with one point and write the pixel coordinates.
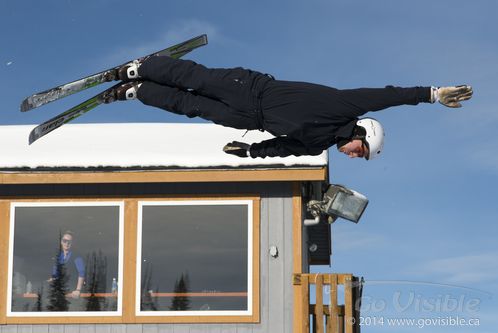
(107, 96)
(50, 95)
(73, 113)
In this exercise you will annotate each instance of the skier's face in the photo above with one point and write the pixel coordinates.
(354, 148)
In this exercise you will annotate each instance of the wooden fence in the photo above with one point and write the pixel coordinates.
(332, 317)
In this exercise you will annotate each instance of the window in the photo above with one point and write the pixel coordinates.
(195, 258)
(65, 259)
(129, 260)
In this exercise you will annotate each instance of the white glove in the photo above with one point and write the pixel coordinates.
(451, 96)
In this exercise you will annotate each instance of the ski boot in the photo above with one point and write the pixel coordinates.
(125, 92)
(129, 71)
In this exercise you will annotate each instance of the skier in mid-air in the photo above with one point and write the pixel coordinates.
(305, 118)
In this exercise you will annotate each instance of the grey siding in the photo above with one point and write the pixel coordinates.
(276, 297)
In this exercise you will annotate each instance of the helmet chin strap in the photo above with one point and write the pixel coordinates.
(368, 147)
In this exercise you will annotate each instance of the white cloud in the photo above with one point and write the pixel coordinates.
(468, 269)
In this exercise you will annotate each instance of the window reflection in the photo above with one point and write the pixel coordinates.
(65, 258)
(194, 256)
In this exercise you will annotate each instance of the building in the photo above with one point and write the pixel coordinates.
(153, 228)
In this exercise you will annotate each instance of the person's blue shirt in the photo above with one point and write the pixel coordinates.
(66, 260)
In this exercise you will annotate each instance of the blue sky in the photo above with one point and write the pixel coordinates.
(432, 216)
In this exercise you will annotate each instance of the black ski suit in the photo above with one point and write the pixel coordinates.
(305, 118)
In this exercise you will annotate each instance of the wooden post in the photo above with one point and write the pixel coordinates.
(348, 304)
(333, 320)
(130, 261)
(305, 301)
(341, 324)
(319, 304)
(297, 259)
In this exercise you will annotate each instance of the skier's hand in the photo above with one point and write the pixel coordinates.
(239, 149)
(452, 96)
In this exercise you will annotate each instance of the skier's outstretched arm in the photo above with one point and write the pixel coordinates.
(279, 146)
(363, 100)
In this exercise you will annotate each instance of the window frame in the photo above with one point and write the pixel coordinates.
(250, 267)
(13, 205)
(128, 263)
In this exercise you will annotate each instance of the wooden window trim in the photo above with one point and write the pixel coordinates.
(255, 316)
(128, 315)
(297, 257)
(4, 259)
(5, 208)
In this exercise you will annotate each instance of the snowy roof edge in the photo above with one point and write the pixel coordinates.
(137, 146)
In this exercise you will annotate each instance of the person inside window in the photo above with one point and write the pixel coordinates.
(68, 266)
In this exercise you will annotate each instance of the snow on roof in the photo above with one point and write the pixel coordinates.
(135, 145)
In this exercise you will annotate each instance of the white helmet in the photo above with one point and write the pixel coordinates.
(374, 137)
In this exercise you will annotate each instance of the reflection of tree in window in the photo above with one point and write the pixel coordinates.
(58, 283)
(148, 302)
(96, 281)
(180, 301)
(39, 299)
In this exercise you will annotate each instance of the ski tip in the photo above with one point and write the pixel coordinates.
(33, 136)
(26, 105)
(205, 38)
(202, 39)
